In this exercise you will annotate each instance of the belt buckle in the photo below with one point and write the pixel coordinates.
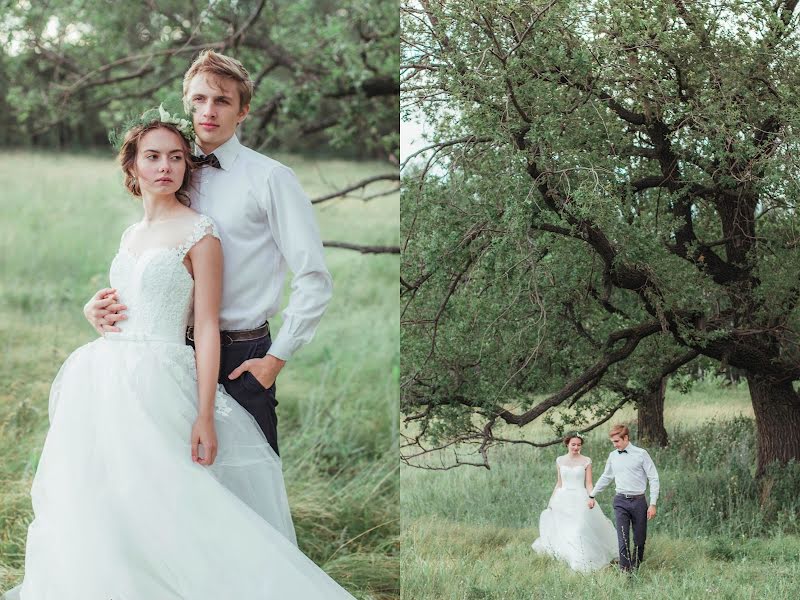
(226, 339)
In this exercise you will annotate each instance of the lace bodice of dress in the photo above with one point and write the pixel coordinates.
(573, 472)
(156, 287)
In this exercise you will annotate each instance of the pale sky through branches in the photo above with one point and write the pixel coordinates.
(411, 139)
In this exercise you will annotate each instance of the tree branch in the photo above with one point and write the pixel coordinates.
(363, 249)
(632, 337)
(469, 139)
(361, 184)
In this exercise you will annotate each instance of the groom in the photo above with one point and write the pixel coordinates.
(266, 224)
(631, 468)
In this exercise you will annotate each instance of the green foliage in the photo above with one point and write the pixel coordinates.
(603, 166)
(326, 73)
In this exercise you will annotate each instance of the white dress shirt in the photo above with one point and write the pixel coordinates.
(631, 471)
(266, 224)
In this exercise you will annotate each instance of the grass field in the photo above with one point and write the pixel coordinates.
(466, 533)
(60, 222)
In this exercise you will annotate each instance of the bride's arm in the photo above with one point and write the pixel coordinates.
(206, 260)
(588, 481)
(558, 484)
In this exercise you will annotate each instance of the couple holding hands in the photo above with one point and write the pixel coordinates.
(573, 528)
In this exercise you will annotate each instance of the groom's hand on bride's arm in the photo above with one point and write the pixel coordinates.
(265, 370)
(103, 311)
(651, 511)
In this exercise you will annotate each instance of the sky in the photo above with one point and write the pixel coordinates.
(411, 139)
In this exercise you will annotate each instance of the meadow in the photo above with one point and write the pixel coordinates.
(60, 220)
(466, 532)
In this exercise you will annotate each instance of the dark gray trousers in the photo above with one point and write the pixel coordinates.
(246, 390)
(630, 512)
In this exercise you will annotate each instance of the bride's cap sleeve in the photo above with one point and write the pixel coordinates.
(125, 233)
(204, 226)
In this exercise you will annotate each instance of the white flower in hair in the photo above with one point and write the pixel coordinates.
(183, 125)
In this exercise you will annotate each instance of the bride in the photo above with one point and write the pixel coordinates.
(153, 482)
(568, 529)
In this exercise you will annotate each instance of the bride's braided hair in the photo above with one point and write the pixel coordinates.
(569, 436)
(130, 147)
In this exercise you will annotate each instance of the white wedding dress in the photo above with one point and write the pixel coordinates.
(121, 511)
(569, 530)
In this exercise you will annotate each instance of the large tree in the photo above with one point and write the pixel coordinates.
(611, 190)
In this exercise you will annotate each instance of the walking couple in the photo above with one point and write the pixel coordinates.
(160, 476)
(573, 528)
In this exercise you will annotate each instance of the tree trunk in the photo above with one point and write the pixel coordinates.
(777, 410)
(651, 417)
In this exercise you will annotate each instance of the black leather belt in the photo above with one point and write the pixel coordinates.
(631, 496)
(226, 338)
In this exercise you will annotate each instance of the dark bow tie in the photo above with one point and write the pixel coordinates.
(622, 451)
(208, 159)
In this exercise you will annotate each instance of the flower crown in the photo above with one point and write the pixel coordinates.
(183, 125)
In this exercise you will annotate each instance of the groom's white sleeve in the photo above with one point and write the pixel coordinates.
(296, 233)
(606, 478)
(652, 477)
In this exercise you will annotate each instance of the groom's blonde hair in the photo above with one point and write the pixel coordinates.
(620, 430)
(222, 66)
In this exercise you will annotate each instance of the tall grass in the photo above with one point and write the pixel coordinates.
(60, 221)
(467, 532)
